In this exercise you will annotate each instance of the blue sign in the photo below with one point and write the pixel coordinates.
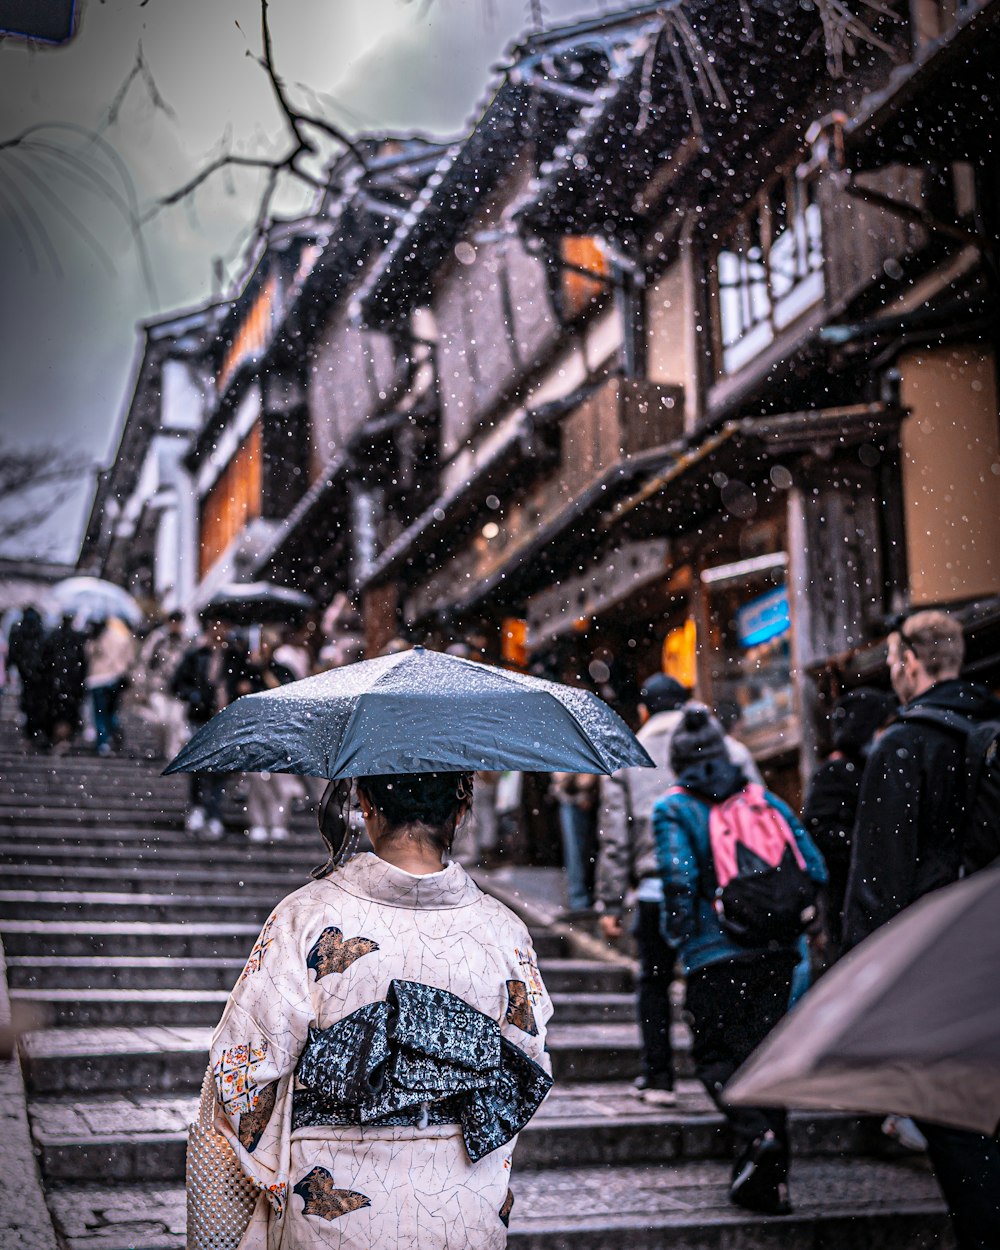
(764, 618)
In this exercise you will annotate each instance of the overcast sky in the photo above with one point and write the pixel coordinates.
(73, 286)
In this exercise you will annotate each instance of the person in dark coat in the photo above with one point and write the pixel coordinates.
(736, 994)
(64, 661)
(832, 800)
(209, 675)
(25, 653)
(907, 842)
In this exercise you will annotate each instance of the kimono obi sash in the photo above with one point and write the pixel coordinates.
(423, 1056)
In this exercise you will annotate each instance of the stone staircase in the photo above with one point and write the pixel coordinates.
(123, 936)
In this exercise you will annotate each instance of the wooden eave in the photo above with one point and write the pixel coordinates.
(463, 179)
(746, 449)
(943, 104)
(627, 173)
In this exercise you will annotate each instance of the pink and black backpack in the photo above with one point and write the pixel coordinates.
(763, 893)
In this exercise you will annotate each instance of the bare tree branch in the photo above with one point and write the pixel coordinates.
(72, 165)
(34, 483)
(302, 144)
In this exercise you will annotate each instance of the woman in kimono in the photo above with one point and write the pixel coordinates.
(384, 1044)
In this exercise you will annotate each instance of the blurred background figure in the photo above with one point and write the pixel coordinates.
(25, 655)
(269, 795)
(294, 652)
(577, 795)
(737, 989)
(832, 799)
(201, 682)
(161, 653)
(110, 651)
(64, 673)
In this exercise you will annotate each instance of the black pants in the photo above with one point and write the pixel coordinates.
(656, 968)
(206, 793)
(733, 1005)
(967, 1167)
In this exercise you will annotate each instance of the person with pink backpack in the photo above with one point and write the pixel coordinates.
(741, 880)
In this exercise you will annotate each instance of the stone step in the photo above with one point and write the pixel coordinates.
(104, 1008)
(67, 937)
(141, 878)
(81, 795)
(158, 936)
(105, 908)
(156, 972)
(122, 973)
(108, 1008)
(142, 1138)
(160, 1059)
(215, 856)
(150, 1060)
(578, 1008)
(40, 817)
(840, 1205)
(122, 822)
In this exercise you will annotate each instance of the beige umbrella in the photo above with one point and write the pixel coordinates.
(908, 1022)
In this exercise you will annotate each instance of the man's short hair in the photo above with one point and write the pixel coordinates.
(936, 639)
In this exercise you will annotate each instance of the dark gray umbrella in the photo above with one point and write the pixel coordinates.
(909, 1022)
(412, 712)
(257, 603)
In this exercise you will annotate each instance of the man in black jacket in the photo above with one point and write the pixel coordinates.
(208, 677)
(908, 841)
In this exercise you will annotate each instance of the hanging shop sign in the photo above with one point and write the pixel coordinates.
(764, 618)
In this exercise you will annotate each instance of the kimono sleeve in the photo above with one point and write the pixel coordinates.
(528, 1005)
(254, 1051)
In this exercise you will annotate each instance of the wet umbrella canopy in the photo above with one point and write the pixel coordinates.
(91, 598)
(257, 603)
(909, 1022)
(416, 711)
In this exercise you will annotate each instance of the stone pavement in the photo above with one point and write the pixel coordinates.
(123, 937)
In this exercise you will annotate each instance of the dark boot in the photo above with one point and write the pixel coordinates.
(759, 1182)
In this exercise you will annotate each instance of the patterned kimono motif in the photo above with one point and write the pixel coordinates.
(352, 951)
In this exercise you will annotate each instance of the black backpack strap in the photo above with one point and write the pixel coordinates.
(964, 727)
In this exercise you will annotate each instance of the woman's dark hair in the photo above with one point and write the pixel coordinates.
(433, 800)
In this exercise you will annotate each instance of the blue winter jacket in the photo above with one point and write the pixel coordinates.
(684, 854)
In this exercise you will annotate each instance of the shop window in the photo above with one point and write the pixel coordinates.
(233, 501)
(679, 656)
(750, 643)
(768, 270)
(251, 335)
(581, 257)
(514, 643)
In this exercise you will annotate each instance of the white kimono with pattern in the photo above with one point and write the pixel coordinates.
(327, 950)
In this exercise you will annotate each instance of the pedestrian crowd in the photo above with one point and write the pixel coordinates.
(904, 804)
(74, 677)
(70, 672)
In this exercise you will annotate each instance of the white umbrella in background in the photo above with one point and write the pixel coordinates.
(93, 599)
(908, 1022)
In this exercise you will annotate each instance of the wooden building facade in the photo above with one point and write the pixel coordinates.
(684, 359)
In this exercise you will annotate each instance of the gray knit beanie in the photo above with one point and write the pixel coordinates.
(698, 737)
